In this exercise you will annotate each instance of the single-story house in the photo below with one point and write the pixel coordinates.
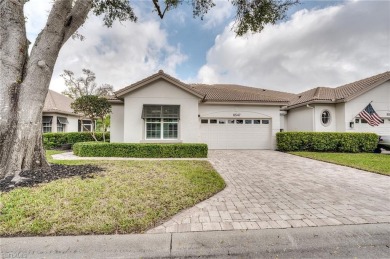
(162, 109)
(58, 116)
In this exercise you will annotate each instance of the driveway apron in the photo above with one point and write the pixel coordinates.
(269, 189)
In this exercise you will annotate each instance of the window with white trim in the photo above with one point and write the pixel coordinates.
(325, 117)
(61, 124)
(86, 125)
(46, 123)
(161, 121)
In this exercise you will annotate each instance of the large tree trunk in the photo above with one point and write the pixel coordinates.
(24, 80)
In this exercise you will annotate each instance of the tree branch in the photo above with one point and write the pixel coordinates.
(77, 17)
(158, 9)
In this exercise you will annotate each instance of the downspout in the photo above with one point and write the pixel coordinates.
(314, 116)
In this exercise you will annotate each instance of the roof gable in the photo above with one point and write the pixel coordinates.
(57, 103)
(153, 78)
(357, 88)
(342, 93)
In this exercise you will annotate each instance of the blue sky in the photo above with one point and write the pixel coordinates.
(321, 43)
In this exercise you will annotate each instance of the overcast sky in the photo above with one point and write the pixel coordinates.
(321, 43)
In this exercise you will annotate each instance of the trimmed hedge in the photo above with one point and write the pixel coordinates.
(326, 141)
(140, 150)
(55, 140)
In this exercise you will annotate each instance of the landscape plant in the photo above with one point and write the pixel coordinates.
(326, 141)
(94, 108)
(77, 87)
(54, 140)
(141, 150)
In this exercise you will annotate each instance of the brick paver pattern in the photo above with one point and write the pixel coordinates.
(269, 189)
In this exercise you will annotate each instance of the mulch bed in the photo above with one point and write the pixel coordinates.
(53, 173)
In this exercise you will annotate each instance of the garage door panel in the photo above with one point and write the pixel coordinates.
(236, 136)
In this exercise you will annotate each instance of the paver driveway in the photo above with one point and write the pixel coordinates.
(268, 189)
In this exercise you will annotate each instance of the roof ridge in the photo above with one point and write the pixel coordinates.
(243, 86)
(52, 99)
(378, 77)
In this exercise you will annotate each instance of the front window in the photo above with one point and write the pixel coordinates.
(325, 117)
(46, 123)
(61, 124)
(86, 125)
(60, 127)
(161, 121)
(161, 128)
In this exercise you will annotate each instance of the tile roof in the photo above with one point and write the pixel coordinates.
(212, 93)
(361, 86)
(58, 103)
(339, 94)
(239, 93)
(244, 94)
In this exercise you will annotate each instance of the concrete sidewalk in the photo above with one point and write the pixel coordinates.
(356, 241)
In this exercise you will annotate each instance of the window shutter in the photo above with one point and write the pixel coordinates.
(161, 111)
(47, 119)
(62, 120)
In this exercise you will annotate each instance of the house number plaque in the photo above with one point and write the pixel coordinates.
(236, 114)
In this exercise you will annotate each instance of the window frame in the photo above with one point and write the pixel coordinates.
(326, 124)
(47, 125)
(162, 122)
(86, 125)
(61, 127)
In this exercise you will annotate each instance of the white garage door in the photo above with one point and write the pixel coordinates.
(236, 133)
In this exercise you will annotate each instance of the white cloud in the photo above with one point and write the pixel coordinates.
(326, 47)
(36, 12)
(120, 55)
(219, 14)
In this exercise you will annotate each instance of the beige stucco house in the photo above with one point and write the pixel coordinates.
(58, 116)
(162, 109)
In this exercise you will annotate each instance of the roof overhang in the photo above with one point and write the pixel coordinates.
(309, 102)
(153, 78)
(60, 112)
(115, 101)
(255, 103)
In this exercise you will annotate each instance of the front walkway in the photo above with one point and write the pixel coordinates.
(268, 189)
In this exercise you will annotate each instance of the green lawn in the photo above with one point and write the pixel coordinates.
(377, 163)
(128, 197)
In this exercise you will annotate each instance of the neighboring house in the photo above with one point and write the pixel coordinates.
(162, 109)
(337, 109)
(58, 116)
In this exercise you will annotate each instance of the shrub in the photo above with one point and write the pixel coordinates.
(55, 140)
(139, 150)
(326, 141)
